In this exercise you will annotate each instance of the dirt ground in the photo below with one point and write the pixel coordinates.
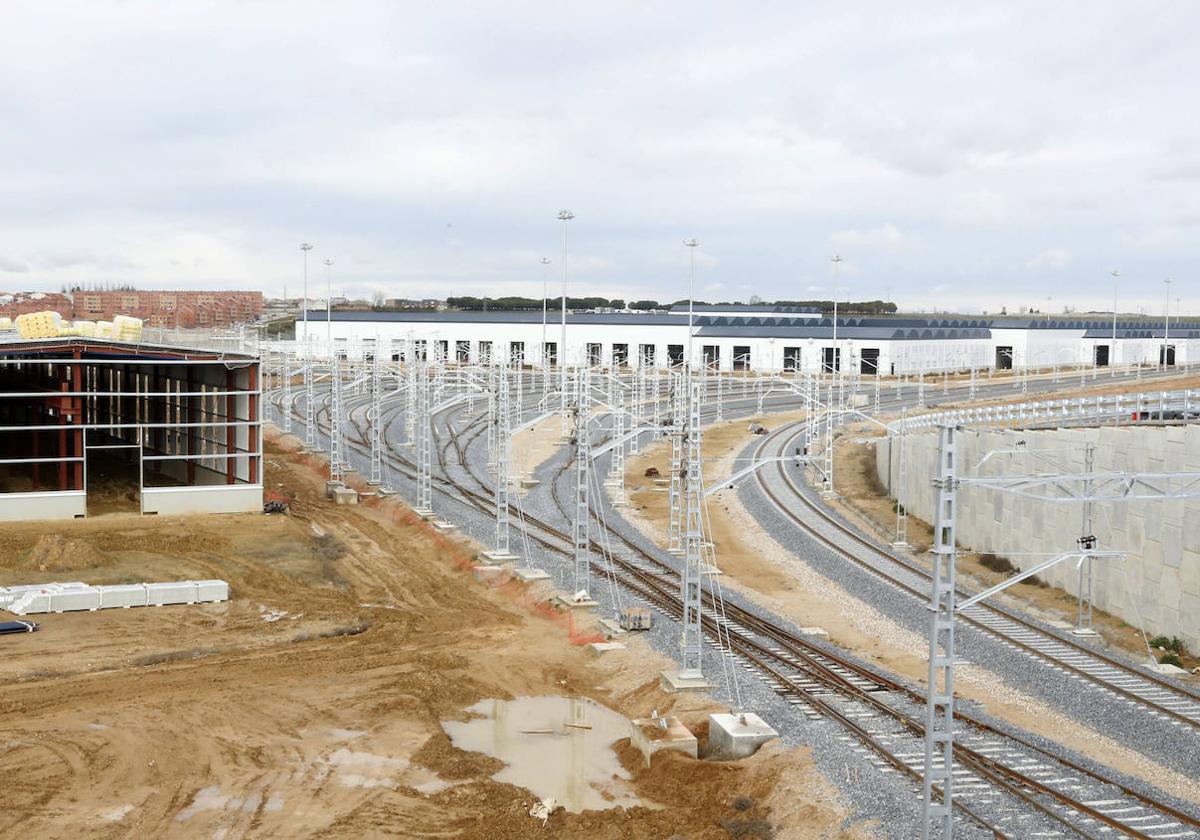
(759, 567)
(310, 704)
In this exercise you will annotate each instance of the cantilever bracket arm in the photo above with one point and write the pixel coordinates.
(745, 471)
(1017, 578)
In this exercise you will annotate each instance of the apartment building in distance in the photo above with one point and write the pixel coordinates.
(167, 309)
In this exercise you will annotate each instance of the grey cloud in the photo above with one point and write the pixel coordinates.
(12, 266)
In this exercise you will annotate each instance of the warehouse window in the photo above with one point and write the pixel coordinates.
(674, 355)
(516, 352)
(550, 352)
(620, 355)
(462, 352)
(791, 358)
(485, 352)
(646, 354)
(594, 352)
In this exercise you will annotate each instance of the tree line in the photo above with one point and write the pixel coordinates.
(468, 303)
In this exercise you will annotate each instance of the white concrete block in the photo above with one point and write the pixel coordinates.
(731, 736)
(75, 600)
(176, 592)
(212, 590)
(123, 595)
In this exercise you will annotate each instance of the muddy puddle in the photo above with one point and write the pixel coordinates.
(556, 747)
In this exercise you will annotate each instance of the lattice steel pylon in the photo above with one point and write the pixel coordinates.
(503, 459)
(336, 464)
(616, 467)
(410, 413)
(692, 639)
(376, 419)
(901, 440)
(424, 444)
(937, 817)
(310, 409)
(580, 530)
(674, 492)
(286, 408)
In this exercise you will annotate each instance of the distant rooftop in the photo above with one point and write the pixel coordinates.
(748, 308)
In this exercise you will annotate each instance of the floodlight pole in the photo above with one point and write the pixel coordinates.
(564, 216)
(545, 304)
(1166, 322)
(1112, 354)
(691, 245)
(329, 306)
(305, 247)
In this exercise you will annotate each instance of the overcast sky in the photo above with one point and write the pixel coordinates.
(955, 157)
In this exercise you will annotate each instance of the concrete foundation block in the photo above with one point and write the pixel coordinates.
(1168, 670)
(601, 648)
(673, 682)
(345, 496)
(731, 737)
(815, 631)
(498, 558)
(655, 734)
(332, 487)
(565, 603)
(443, 526)
(487, 573)
(528, 574)
(611, 629)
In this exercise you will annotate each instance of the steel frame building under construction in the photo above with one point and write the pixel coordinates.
(180, 426)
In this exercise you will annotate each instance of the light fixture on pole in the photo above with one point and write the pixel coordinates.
(545, 262)
(691, 244)
(1112, 354)
(835, 362)
(305, 247)
(1166, 322)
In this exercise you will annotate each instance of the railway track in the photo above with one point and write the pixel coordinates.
(1003, 783)
(1158, 697)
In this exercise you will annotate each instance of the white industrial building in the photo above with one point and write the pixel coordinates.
(754, 338)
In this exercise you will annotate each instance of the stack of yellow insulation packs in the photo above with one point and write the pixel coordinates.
(126, 328)
(85, 328)
(39, 324)
(6, 324)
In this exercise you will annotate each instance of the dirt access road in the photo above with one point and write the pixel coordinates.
(311, 703)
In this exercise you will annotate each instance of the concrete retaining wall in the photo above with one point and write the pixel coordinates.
(1161, 577)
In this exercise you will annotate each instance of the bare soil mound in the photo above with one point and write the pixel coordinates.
(56, 553)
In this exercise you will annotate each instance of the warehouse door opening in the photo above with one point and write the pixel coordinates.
(791, 358)
(869, 363)
(1166, 355)
(1101, 355)
(1004, 358)
(114, 478)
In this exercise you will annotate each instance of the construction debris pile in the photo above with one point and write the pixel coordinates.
(49, 324)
